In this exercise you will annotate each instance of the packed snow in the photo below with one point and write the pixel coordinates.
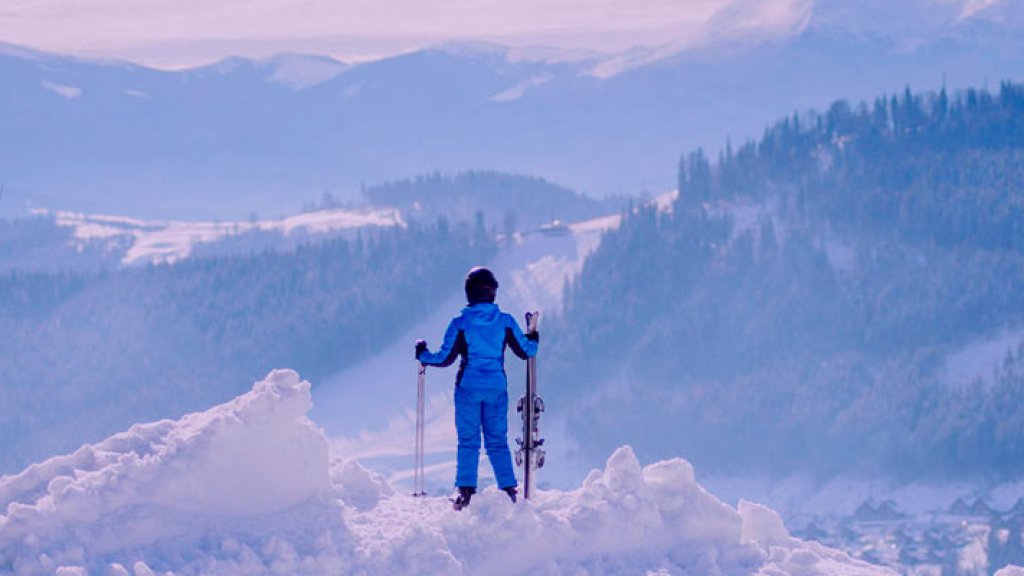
(250, 487)
(168, 242)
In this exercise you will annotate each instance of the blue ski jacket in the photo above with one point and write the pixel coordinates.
(479, 336)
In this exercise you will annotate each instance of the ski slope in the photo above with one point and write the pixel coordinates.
(252, 487)
(368, 409)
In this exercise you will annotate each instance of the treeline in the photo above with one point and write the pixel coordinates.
(914, 168)
(796, 309)
(510, 202)
(86, 354)
(37, 243)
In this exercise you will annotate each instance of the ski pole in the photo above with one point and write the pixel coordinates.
(418, 481)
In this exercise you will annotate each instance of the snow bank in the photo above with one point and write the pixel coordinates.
(247, 488)
(162, 487)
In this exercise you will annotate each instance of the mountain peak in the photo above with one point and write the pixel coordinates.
(471, 49)
(301, 71)
(291, 70)
(912, 18)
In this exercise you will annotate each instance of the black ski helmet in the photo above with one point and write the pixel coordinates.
(481, 285)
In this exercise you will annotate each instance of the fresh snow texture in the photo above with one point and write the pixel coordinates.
(248, 487)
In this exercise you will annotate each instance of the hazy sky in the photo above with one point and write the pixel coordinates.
(175, 33)
(182, 32)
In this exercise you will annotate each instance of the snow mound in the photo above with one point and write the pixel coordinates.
(248, 488)
(163, 487)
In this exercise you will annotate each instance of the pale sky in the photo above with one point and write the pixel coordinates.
(175, 33)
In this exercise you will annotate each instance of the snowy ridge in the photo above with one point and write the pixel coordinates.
(248, 487)
(300, 71)
(168, 242)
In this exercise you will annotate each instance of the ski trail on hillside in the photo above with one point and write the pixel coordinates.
(368, 409)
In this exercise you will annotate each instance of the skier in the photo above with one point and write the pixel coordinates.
(479, 334)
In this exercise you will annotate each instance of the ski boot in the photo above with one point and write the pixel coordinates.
(461, 500)
(511, 491)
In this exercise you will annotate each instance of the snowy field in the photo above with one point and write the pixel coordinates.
(252, 487)
(157, 242)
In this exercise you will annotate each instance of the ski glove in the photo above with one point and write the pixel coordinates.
(421, 347)
(533, 336)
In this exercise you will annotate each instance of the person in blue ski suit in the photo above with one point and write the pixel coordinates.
(479, 336)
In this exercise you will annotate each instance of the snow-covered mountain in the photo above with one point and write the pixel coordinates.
(239, 135)
(250, 487)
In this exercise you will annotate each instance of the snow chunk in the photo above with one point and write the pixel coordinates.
(246, 457)
(1010, 570)
(622, 471)
(358, 487)
(762, 524)
(623, 520)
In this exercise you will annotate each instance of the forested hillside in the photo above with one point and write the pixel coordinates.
(38, 244)
(508, 201)
(801, 306)
(84, 354)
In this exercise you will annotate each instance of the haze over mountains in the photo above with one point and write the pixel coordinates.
(242, 136)
(826, 314)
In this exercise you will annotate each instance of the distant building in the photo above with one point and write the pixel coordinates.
(555, 228)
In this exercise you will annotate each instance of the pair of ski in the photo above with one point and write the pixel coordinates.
(530, 452)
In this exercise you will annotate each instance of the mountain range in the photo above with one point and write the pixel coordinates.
(240, 136)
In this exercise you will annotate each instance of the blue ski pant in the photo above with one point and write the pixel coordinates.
(485, 409)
